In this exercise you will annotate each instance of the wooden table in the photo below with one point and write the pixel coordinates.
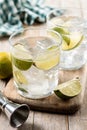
(48, 121)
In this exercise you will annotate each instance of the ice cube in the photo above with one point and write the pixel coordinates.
(45, 43)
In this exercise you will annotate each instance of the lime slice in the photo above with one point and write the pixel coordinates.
(75, 40)
(23, 90)
(66, 38)
(53, 47)
(22, 64)
(54, 36)
(48, 59)
(68, 89)
(20, 78)
(5, 65)
(21, 58)
(64, 32)
(61, 30)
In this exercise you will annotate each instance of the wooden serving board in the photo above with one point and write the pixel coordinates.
(52, 103)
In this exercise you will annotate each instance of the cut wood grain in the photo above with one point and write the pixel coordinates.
(70, 3)
(55, 3)
(83, 4)
(28, 125)
(4, 123)
(76, 123)
(50, 121)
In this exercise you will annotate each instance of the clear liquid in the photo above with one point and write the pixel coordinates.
(74, 59)
(77, 57)
(35, 83)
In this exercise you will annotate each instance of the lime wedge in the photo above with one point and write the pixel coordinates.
(61, 30)
(68, 89)
(53, 47)
(55, 37)
(48, 59)
(5, 65)
(23, 90)
(20, 78)
(75, 40)
(70, 40)
(21, 57)
(66, 38)
(22, 64)
(64, 32)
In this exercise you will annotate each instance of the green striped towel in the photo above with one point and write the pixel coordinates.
(15, 13)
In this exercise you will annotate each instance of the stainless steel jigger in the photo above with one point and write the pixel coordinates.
(17, 114)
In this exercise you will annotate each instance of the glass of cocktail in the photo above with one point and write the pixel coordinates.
(35, 59)
(72, 26)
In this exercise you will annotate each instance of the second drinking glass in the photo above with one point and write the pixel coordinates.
(72, 26)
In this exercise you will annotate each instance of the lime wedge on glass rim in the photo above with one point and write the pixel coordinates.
(66, 39)
(68, 89)
(72, 41)
(21, 57)
(61, 30)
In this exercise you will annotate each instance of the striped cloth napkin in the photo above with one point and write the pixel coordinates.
(15, 13)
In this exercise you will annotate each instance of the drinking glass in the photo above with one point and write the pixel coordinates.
(72, 25)
(35, 59)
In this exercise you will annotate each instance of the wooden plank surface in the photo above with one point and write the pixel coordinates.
(70, 3)
(45, 121)
(53, 103)
(50, 121)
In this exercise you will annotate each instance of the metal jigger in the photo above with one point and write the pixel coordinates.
(17, 114)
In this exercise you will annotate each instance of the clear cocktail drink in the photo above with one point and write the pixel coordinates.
(35, 60)
(72, 26)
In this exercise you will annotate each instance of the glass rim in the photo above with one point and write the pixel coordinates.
(62, 15)
(34, 28)
(54, 25)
